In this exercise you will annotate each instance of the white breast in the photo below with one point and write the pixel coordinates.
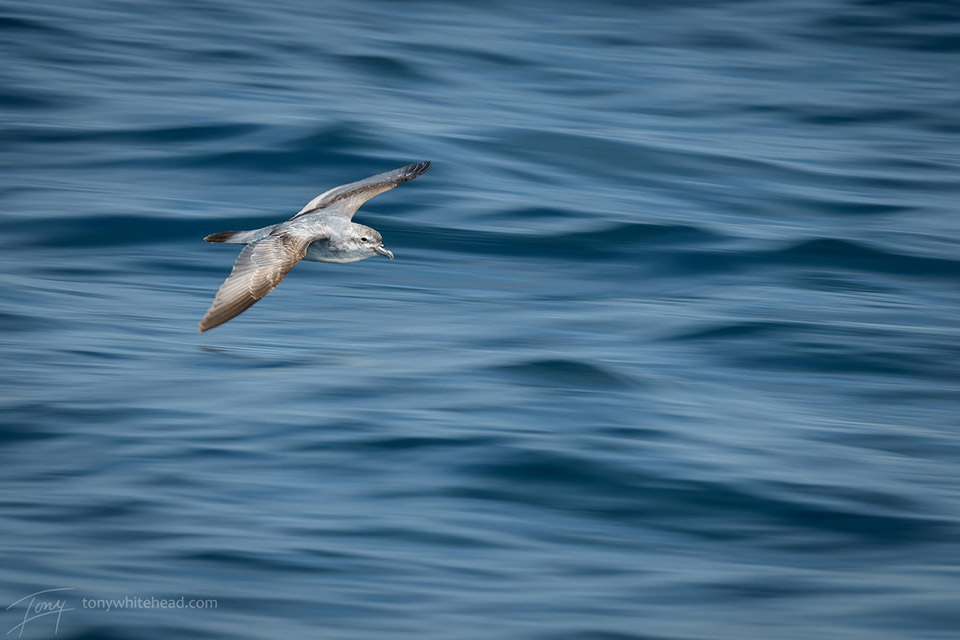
(322, 251)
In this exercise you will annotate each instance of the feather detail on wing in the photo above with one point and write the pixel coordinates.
(258, 270)
(350, 197)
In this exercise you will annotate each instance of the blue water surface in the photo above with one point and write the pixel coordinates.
(669, 349)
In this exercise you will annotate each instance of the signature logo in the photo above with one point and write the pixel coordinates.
(42, 604)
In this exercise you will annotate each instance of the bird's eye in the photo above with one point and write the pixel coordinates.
(362, 239)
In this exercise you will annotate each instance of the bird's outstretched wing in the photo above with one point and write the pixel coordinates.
(350, 197)
(259, 268)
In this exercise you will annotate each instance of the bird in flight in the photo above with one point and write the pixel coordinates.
(323, 231)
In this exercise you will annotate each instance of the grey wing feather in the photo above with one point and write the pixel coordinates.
(258, 270)
(350, 197)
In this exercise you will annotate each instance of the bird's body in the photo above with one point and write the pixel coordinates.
(323, 231)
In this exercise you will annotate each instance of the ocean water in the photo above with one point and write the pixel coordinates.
(669, 349)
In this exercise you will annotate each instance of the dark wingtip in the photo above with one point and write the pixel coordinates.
(223, 236)
(416, 170)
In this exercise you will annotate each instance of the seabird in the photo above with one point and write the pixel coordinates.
(323, 231)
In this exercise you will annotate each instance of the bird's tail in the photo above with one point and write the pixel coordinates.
(240, 237)
(223, 236)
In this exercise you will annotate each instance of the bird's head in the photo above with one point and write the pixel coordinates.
(368, 239)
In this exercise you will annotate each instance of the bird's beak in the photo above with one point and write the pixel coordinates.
(382, 250)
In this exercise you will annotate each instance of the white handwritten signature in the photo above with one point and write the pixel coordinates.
(40, 605)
